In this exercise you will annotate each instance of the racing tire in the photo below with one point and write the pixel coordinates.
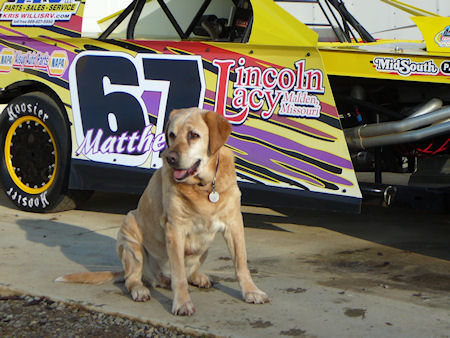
(35, 153)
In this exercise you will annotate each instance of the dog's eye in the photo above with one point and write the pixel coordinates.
(193, 135)
(171, 135)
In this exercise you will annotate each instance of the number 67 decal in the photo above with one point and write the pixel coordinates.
(120, 103)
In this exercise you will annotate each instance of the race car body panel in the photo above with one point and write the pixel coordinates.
(117, 93)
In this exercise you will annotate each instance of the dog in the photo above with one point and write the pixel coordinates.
(187, 201)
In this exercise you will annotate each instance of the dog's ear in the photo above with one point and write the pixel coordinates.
(171, 116)
(219, 130)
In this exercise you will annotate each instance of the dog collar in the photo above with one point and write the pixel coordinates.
(214, 195)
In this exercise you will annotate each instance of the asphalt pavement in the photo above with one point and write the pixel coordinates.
(383, 273)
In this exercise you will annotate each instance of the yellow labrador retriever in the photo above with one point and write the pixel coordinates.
(191, 198)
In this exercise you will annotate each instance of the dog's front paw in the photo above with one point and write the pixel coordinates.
(200, 280)
(256, 297)
(140, 293)
(183, 309)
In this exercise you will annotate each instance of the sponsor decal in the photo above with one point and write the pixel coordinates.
(286, 91)
(38, 12)
(127, 143)
(445, 67)
(28, 201)
(443, 37)
(58, 63)
(404, 66)
(54, 65)
(120, 102)
(6, 60)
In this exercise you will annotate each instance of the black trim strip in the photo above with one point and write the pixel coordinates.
(331, 121)
(57, 81)
(327, 185)
(87, 175)
(271, 196)
(257, 170)
(276, 123)
(62, 31)
(22, 48)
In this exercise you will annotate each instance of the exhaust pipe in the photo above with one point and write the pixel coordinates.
(396, 132)
(405, 137)
(432, 105)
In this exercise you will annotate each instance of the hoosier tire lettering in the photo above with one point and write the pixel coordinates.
(27, 201)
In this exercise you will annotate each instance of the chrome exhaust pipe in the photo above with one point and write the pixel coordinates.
(436, 122)
(405, 137)
(430, 106)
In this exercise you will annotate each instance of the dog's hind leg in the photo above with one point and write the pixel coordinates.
(131, 252)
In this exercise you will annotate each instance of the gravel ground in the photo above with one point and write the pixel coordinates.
(27, 316)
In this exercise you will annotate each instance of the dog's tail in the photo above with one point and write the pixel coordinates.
(98, 277)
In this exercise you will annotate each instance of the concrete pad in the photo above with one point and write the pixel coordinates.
(383, 273)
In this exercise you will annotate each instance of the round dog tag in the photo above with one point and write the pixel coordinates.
(214, 196)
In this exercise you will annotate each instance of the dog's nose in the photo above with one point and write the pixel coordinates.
(172, 157)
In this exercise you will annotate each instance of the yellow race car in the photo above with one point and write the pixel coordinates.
(85, 114)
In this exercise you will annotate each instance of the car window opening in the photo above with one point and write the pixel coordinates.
(212, 20)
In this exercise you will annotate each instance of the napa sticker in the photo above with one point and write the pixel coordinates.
(38, 12)
(443, 37)
(58, 63)
(6, 60)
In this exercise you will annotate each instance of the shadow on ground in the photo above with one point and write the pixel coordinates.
(90, 249)
(403, 228)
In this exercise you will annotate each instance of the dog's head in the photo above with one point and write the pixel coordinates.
(193, 138)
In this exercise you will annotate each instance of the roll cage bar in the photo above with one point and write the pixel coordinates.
(348, 22)
(136, 6)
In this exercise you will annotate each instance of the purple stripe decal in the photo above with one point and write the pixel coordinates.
(254, 151)
(286, 143)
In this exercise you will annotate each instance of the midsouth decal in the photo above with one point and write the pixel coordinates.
(286, 91)
(405, 66)
(38, 12)
(54, 64)
(120, 103)
(442, 38)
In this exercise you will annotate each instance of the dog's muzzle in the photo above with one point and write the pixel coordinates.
(181, 174)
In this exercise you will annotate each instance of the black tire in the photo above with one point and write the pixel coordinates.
(35, 153)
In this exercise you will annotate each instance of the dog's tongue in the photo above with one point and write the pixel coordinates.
(179, 173)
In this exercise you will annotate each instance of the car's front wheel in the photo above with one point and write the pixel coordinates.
(35, 154)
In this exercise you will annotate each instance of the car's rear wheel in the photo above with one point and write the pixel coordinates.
(35, 148)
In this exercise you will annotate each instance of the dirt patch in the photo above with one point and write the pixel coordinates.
(433, 281)
(355, 313)
(294, 290)
(223, 258)
(217, 279)
(259, 324)
(379, 270)
(293, 333)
